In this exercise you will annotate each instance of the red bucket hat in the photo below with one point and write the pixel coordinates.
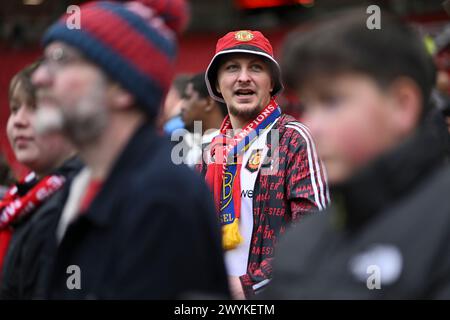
(243, 41)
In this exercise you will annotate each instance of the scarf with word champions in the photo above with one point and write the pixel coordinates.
(21, 200)
(223, 172)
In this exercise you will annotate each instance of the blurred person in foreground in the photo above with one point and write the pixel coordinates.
(263, 168)
(366, 95)
(31, 206)
(135, 226)
(202, 116)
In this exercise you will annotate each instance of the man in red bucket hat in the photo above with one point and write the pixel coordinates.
(262, 167)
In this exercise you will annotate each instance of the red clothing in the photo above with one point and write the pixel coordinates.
(21, 200)
(92, 189)
(299, 187)
(5, 238)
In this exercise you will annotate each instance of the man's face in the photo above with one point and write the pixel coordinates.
(39, 153)
(193, 107)
(245, 82)
(351, 121)
(73, 89)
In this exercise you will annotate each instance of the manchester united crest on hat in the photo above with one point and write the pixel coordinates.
(254, 161)
(243, 35)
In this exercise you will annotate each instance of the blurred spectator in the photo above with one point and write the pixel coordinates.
(198, 106)
(387, 233)
(263, 169)
(134, 225)
(30, 208)
(171, 117)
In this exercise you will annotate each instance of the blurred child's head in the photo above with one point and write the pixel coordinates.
(39, 153)
(364, 91)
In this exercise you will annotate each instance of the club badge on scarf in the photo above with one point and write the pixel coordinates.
(223, 173)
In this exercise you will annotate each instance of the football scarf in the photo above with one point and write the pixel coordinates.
(223, 172)
(16, 205)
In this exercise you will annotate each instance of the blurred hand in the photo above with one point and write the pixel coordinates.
(237, 292)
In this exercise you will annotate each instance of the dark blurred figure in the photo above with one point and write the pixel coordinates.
(387, 234)
(202, 116)
(135, 225)
(30, 208)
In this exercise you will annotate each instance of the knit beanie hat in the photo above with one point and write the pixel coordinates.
(243, 41)
(134, 42)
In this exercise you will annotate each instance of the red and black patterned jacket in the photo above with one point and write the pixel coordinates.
(298, 187)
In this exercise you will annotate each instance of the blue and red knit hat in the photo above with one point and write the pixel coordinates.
(134, 42)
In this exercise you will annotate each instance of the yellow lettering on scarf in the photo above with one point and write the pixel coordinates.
(227, 189)
(225, 218)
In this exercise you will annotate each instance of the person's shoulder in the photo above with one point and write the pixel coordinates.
(442, 174)
(167, 189)
(294, 132)
(430, 196)
(70, 167)
(162, 172)
(436, 183)
(434, 189)
(158, 171)
(292, 127)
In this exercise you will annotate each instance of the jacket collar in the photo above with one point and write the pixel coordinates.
(69, 167)
(391, 176)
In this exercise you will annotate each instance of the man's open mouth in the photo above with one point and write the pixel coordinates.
(244, 92)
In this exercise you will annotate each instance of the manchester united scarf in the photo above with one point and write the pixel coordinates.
(223, 171)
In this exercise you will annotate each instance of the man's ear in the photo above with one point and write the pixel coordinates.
(407, 104)
(120, 98)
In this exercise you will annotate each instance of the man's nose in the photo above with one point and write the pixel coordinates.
(244, 75)
(21, 118)
(41, 76)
